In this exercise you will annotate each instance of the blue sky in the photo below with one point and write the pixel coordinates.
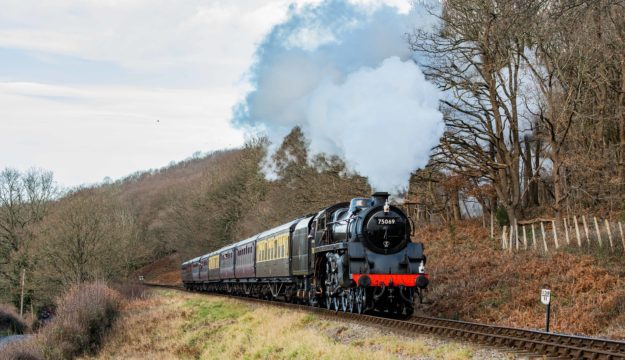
(101, 89)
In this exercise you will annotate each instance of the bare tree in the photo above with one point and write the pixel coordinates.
(476, 57)
(24, 200)
(90, 235)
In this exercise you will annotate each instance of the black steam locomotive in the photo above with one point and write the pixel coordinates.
(354, 256)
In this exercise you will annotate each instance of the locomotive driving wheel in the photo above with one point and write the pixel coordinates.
(350, 300)
(332, 285)
(344, 300)
(361, 299)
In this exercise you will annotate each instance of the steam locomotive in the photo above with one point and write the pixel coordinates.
(354, 256)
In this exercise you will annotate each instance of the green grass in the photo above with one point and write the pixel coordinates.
(214, 310)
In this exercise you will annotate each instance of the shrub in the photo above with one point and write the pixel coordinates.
(10, 322)
(83, 316)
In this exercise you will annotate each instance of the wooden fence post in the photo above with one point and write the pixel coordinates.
(516, 234)
(607, 226)
(22, 295)
(534, 237)
(586, 229)
(598, 232)
(579, 239)
(524, 238)
(503, 237)
(510, 239)
(566, 232)
(542, 228)
(555, 233)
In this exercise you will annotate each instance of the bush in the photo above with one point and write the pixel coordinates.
(83, 316)
(10, 322)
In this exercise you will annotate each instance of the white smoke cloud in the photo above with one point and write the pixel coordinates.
(343, 72)
(382, 121)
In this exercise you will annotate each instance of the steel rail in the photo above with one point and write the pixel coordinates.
(531, 341)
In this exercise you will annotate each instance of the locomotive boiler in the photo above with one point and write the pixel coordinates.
(355, 256)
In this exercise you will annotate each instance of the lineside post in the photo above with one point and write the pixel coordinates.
(545, 298)
(22, 295)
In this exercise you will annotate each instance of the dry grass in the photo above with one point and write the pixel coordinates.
(29, 349)
(473, 280)
(132, 290)
(174, 325)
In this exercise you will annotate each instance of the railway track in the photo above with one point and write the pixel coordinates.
(529, 342)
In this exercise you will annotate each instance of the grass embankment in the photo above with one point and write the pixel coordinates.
(175, 325)
(473, 279)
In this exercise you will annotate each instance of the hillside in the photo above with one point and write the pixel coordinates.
(472, 279)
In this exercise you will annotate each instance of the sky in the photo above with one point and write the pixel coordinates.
(97, 89)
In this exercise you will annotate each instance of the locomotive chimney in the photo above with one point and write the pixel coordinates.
(380, 198)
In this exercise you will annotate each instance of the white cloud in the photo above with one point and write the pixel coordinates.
(142, 34)
(86, 133)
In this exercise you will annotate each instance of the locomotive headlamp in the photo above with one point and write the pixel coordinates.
(387, 207)
(421, 268)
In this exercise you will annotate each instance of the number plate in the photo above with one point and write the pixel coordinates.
(386, 221)
(545, 296)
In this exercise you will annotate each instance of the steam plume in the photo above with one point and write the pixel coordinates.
(344, 73)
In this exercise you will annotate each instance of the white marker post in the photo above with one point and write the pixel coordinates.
(545, 298)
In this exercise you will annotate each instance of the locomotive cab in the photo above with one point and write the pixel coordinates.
(358, 204)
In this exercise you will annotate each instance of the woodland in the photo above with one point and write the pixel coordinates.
(535, 126)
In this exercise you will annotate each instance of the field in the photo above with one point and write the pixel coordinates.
(176, 325)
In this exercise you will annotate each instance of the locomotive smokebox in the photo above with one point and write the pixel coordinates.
(379, 198)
